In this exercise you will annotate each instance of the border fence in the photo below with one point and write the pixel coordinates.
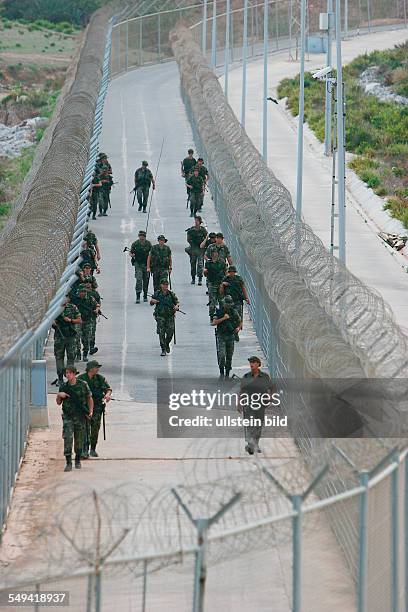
(344, 330)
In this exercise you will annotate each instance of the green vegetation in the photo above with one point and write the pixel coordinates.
(12, 174)
(375, 131)
(56, 11)
(18, 37)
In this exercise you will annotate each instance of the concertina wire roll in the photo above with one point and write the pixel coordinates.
(340, 327)
(35, 242)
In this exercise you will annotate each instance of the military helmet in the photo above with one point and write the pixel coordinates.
(232, 269)
(254, 359)
(144, 163)
(142, 233)
(161, 237)
(93, 364)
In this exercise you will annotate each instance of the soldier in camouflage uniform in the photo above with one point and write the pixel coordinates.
(89, 256)
(87, 306)
(104, 196)
(166, 304)
(203, 173)
(65, 333)
(228, 322)
(196, 237)
(92, 242)
(77, 405)
(139, 253)
(221, 247)
(159, 262)
(102, 163)
(95, 193)
(233, 285)
(101, 395)
(143, 179)
(91, 286)
(214, 272)
(196, 185)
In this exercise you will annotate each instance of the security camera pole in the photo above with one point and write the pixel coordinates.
(341, 164)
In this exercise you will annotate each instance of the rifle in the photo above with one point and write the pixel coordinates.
(104, 424)
(182, 311)
(67, 388)
(134, 195)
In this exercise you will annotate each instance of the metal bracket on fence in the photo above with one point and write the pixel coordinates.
(296, 501)
(202, 526)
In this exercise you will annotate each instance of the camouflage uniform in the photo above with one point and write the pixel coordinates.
(86, 307)
(99, 387)
(90, 239)
(159, 264)
(104, 197)
(95, 194)
(89, 256)
(203, 173)
(164, 315)
(251, 384)
(143, 179)
(196, 193)
(74, 410)
(65, 338)
(195, 237)
(187, 166)
(140, 254)
(223, 251)
(235, 290)
(215, 274)
(226, 337)
(93, 293)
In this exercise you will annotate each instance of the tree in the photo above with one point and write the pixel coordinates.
(74, 11)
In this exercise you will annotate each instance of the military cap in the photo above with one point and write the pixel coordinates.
(93, 364)
(142, 233)
(161, 237)
(86, 264)
(144, 163)
(212, 235)
(102, 156)
(88, 278)
(164, 281)
(190, 151)
(228, 299)
(254, 359)
(219, 235)
(232, 269)
(72, 369)
(81, 287)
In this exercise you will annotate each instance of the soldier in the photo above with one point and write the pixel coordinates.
(92, 242)
(227, 321)
(104, 196)
(195, 184)
(166, 304)
(89, 256)
(77, 405)
(233, 285)
(143, 179)
(188, 164)
(211, 239)
(139, 253)
(254, 382)
(196, 235)
(87, 306)
(102, 163)
(91, 286)
(65, 332)
(159, 262)
(203, 172)
(101, 395)
(215, 272)
(221, 247)
(95, 193)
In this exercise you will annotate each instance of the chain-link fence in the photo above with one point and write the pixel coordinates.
(265, 516)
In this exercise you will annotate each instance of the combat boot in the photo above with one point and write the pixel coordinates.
(163, 352)
(93, 453)
(200, 281)
(68, 467)
(227, 373)
(85, 357)
(93, 350)
(193, 280)
(145, 297)
(77, 462)
(221, 373)
(138, 298)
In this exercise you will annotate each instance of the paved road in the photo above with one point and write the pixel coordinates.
(142, 108)
(366, 256)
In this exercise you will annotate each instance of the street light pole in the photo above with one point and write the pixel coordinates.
(265, 85)
(327, 106)
(341, 165)
(244, 62)
(227, 46)
(299, 177)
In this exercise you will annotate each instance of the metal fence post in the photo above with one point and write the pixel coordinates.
(204, 29)
(265, 85)
(227, 46)
(127, 46)
(406, 531)
(395, 535)
(98, 593)
(214, 35)
(362, 562)
(296, 553)
(299, 177)
(244, 62)
(328, 95)
(341, 165)
(159, 36)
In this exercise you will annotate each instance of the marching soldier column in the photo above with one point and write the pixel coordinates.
(84, 397)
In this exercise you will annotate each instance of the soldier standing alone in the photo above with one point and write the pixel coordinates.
(166, 304)
(143, 179)
(139, 253)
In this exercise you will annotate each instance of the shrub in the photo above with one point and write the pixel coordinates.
(371, 178)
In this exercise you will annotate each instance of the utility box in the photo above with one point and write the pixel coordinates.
(317, 44)
(38, 403)
(324, 21)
